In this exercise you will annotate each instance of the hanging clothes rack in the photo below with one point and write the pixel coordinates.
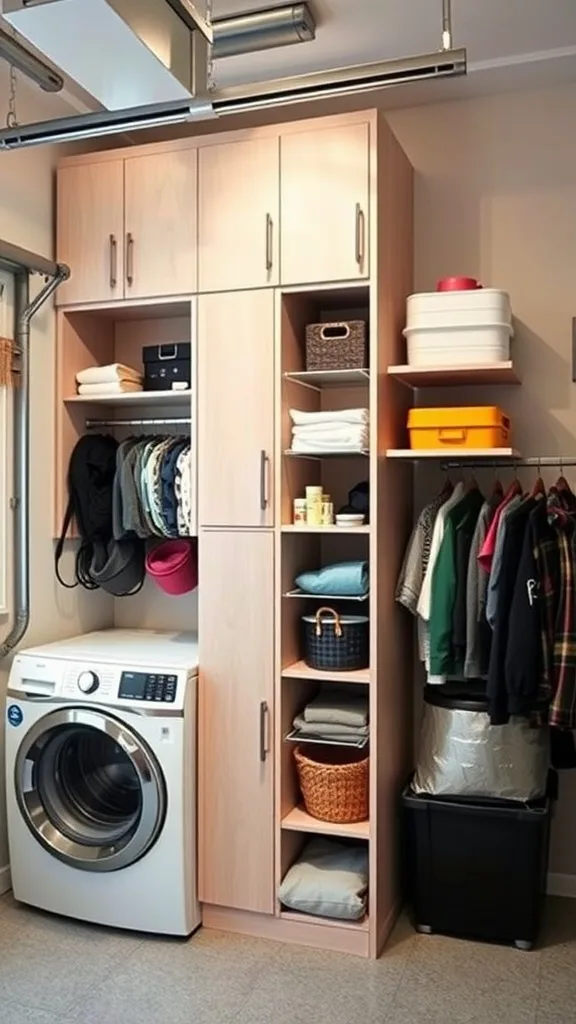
(488, 463)
(173, 421)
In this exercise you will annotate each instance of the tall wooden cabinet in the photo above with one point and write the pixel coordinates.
(236, 630)
(237, 242)
(236, 410)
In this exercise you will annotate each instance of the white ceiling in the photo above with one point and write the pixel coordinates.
(512, 44)
(495, 32)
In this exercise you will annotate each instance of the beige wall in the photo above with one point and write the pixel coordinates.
(26, 219)
(496, 199)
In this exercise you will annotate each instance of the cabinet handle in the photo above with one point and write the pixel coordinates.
(360, 231)
(269, 230)
(129, 258)
(263, 730)
(113, 261)
(263, 475)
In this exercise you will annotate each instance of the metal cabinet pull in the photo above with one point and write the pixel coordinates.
(263, 475)
(263, 730)
(129, 258)
(269, 230)
(360, 232)
(113, 261)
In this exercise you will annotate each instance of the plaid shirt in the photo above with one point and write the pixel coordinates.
(555, 555)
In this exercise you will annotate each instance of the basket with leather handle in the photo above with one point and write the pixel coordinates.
(338, 643)
(337, 346)
(334, 784)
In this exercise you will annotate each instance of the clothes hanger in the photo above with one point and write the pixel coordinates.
(515, 487)
(497, 489)
(538, 488)
(562, 483)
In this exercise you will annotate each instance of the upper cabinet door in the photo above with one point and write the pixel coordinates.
(324, 175)
(90, 234)
(160, 243)
(236, 408)
(239, 215)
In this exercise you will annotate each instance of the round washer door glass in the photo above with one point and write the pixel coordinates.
(90, 789)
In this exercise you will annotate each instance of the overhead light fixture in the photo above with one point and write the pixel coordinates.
(445, 63)
(30, 65)
(263, 30)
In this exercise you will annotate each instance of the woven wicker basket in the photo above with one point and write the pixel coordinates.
(334, 785)
(336, 346)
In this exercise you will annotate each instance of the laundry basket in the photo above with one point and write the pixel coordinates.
(334, 784)
(337, 346)
(336, 643)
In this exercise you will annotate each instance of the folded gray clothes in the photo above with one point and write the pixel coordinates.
(330, 729)
(327, 708)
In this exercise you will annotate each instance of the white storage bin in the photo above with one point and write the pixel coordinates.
(458, 328)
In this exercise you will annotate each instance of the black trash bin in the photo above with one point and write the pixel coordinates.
(477, 869)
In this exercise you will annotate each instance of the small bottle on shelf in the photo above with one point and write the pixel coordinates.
(300, 511)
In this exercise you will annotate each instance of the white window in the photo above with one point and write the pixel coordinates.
(6, 331)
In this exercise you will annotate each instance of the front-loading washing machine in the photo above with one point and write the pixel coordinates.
(101, 779)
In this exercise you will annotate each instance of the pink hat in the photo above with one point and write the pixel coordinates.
(173, 565)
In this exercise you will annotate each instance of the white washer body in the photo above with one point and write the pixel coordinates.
(81, 767)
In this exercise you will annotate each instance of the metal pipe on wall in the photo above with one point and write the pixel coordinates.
(24, 311)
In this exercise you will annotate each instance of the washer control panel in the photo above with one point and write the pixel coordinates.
(150, 686)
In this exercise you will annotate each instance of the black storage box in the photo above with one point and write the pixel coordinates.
(477, 869)
(167, 367)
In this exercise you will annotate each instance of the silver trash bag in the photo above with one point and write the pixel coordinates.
(461, 754)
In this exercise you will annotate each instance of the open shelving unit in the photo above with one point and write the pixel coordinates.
(495, 374)
(298, 820)
(319, 379)
(135, 399)
(449, 454)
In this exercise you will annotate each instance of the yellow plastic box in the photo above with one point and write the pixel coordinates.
(476, 426)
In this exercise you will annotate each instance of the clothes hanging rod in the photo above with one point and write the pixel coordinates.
(510, 463)
(172, 421)
(13, 258)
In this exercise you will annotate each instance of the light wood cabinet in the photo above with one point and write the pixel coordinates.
(128, 227)
(236, 633)
(236, 408)
(324, 204)
(238, 215)
(160, 216)
(91, 231)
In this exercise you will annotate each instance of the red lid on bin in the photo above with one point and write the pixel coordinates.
(457, 284)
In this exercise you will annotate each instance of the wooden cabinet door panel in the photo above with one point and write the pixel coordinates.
(236, 796)
(161, 224)
(90, 232)
(324, 204)
(236, 408)
(238, 211)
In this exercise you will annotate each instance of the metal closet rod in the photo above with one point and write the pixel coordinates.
(511, 463)
(172, 421)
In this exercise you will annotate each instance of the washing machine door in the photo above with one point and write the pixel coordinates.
(90, 789)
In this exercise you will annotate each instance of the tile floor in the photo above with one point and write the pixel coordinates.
(54, 971)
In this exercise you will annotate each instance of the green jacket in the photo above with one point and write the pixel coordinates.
(463, 516)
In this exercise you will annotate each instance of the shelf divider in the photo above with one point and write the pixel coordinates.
(495, 374)
(298, 820)
(300, 670)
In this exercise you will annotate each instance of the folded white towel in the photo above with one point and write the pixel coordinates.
(330, 431)
(328, 447)
(117, 387)
(108, 374)
(301, 418)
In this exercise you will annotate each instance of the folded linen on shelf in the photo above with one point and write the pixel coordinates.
(341, 708)
(354, 443)
(330, 431)
(108, 374)
(345, 579)
(117, 387)
(331, 730)
(300, 418)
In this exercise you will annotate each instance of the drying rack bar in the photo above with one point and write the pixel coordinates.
(172, 421)
(511, 463)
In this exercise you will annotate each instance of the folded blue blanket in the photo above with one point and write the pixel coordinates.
(345, 579)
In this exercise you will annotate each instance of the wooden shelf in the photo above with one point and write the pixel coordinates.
(133, 398)
(455, 376)
(456, 454)
(292, 528)
(319, 379)
(298, 820)
(352, 453)
(300, 670)
(331, 922)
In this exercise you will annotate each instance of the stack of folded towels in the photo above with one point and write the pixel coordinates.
(337, 430)
(115, 379)
(336, 714)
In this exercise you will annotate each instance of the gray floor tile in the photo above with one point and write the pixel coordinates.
(14, 1013)
(67, 958)
(204, 981)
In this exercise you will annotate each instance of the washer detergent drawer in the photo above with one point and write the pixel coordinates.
(90, 789)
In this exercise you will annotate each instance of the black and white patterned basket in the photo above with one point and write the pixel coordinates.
(334, 642)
